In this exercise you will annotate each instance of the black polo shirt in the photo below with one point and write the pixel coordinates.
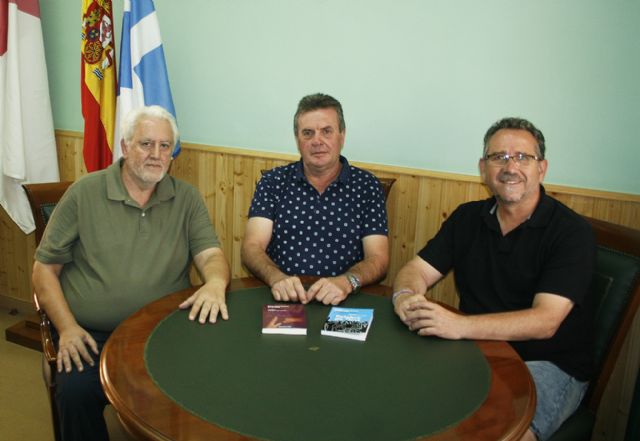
(552, 252)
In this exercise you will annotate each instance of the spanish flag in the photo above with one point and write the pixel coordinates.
(98, 83)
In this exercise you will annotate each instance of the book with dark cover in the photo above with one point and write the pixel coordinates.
(284, 319)
(353, 323)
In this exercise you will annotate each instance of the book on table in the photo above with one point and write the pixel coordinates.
(284, 319)
(353, 323)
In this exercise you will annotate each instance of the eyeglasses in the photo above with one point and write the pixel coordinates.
(501, 159)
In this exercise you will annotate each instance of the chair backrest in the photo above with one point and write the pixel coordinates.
(387, 183)
(616, 290)
(633, 421)
(43, 199)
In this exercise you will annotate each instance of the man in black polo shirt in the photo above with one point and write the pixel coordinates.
(523, 264)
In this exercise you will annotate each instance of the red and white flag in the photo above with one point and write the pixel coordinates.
(27, 141)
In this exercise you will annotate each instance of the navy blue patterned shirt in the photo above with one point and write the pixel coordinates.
(319, 234)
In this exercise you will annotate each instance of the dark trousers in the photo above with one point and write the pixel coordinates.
(80, 399)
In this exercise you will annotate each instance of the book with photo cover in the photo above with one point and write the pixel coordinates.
(353, 323)
(284, 319)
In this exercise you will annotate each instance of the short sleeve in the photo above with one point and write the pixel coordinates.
(439, 251)
(264, 199)
(571, 255)
(61, 233)
(375, 209)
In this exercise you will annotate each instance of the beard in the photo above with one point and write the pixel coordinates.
(149, 173)
(510, 188)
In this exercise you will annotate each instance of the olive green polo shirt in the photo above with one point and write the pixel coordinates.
(117, 255)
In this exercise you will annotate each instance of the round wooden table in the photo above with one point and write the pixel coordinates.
(148, 413)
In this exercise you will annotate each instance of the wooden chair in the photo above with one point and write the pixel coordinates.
(616, 289)
(387, 183)
(632, 432)
(43, 199)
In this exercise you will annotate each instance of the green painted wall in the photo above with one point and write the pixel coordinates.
(420, 81)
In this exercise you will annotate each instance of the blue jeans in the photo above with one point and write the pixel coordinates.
(559, 395)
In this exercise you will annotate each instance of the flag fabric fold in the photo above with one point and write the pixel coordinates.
(98, 83)
(143, 79)
(27, 141)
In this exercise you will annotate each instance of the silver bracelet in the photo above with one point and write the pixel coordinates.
(395, 295)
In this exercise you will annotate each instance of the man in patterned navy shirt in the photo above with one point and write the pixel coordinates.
(318, 216)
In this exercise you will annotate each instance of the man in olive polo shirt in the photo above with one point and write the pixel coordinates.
(119, 239)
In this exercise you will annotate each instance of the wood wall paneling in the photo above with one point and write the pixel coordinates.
(419, 202)
(16, 260)
(70, 159)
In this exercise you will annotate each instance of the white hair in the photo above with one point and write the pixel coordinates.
(133, 118)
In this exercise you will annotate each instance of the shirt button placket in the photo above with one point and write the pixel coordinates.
(144, 222)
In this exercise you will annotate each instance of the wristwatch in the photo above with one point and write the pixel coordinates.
(354, 281)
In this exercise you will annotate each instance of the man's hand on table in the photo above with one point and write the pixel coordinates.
(289, 289)
(208, 301)
(427, 317)
(328, 290)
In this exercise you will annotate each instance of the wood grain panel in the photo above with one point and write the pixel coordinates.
(16, 260)
(419, 202)
(70, 159)
(401, 201)
(244, 185)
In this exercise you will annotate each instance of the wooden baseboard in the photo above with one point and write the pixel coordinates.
(25, 333)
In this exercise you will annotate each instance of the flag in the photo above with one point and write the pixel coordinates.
(27, 141)
(98, 83)
(143, 76)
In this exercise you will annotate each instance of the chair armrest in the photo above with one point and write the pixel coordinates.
(48, 348)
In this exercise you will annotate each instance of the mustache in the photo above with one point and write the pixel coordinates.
(152, 162)
(506, 176)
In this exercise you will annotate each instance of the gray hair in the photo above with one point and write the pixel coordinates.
(317, 101)
(517, 124)
(133, 118)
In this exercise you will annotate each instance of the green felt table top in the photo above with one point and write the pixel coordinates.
(394, 386)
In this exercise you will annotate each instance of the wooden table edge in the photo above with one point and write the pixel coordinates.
(496, 353)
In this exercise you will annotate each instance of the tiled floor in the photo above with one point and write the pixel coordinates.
(24, 403)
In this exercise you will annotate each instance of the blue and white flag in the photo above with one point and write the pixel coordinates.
(142, 78)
